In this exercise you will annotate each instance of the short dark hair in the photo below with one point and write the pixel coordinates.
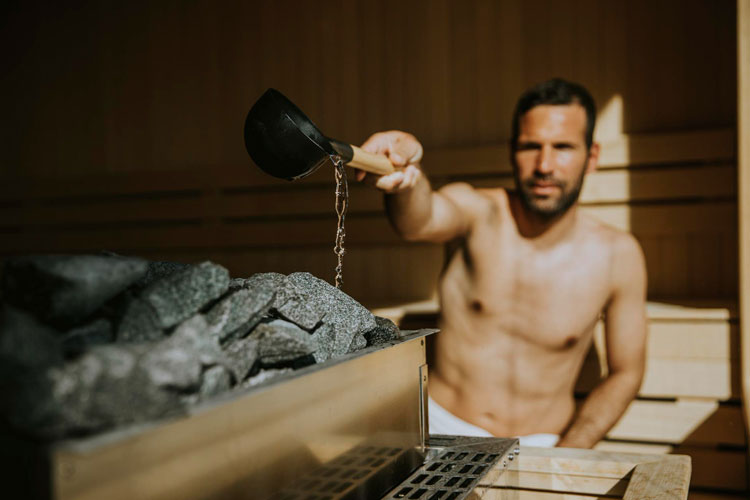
(555, 91)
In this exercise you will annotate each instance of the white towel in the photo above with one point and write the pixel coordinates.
(444, 422)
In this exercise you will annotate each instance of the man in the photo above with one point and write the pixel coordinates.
(530, 278)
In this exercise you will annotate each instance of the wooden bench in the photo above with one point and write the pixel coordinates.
(689, 402)
(571, 474)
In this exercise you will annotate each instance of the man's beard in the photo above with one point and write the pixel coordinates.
(538, 205)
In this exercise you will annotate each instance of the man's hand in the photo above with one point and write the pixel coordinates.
(404, 151)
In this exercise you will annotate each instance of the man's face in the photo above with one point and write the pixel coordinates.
(551, 158)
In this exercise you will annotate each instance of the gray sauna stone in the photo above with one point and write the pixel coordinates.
(104, 388)
(215, 380)
(139, 323)
(241, 355)
(25, 343)
(281, 342)
(78, 339)
(170, 300)
(177, 361)
(64, 290)
(385, 331)
(358, 342)
(157, 270)
(181, 294)
(342, 316)
(239, 311)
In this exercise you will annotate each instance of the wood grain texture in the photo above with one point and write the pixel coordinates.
(667, 480)
(126, 135)
(685, 421)
(743, 131)
(166, 86)
(720, 469)
(570, 473)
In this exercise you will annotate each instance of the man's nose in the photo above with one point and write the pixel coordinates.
(544, 161)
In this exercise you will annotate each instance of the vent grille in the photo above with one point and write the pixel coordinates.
(450, 469)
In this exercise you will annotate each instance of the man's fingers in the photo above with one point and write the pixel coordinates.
(411, 175)
(400, 147)
(377, 143)
(397, 159)
(390, 183)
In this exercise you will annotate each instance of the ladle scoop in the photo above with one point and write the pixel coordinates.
(285, 143)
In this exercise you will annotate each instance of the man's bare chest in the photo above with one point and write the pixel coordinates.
(550, 297)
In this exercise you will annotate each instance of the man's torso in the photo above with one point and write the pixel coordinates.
(517, 321)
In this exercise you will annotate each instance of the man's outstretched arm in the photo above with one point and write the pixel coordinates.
(625, 326)
(416, 211)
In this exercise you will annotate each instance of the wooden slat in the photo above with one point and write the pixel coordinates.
(586, 462)
(635, 149)
(665, 220)
(629, 185)
(743, 131)
(694, 339)
(641, 184)
(643, 220)
(712, 468)
(701, 378)
(660, 149)
(685, 309)
(666, 480)
(694, 422)
(110, 200)
(669, 378)
(363, 265)
(686, 358)
(697, 494)
(192, 205)
(574, 473)
(251, 234)
(641, 149)
(562, 483)
(514, 494)
(681, 309)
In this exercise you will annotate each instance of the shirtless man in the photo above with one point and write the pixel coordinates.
(530, 278)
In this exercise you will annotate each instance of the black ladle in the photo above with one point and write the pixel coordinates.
(285, 143)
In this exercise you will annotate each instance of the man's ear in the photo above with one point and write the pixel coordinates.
(593, 162)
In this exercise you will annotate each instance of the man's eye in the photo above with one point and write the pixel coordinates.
(563, 146)
(528, 147)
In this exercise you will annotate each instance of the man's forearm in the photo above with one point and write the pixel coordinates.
(410, 210)
(601, 410)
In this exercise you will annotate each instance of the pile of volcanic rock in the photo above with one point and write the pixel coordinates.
(92, 342)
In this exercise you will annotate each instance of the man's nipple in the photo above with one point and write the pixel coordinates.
(476, 306)
(570, 342)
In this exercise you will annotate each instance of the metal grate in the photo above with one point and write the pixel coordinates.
(457, 466)
(341, 477)
(451, 467)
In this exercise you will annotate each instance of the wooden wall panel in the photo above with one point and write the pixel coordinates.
(124, 132)
(166, 85)
(743, 134)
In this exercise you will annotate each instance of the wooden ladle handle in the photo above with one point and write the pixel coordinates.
(370, 162)
(361, 159)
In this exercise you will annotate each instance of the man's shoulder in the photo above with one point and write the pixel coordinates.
(625, 254)
(472, 199)
(609, 236)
